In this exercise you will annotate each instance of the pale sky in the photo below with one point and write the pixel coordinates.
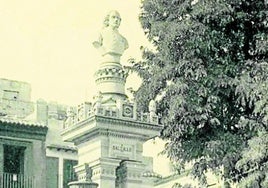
(48, 43)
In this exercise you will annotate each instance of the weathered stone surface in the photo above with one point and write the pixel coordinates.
(15, 99)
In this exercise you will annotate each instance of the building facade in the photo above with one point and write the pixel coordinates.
(22, 143)
(32, 153)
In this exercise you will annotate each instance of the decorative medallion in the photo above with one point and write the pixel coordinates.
(127, 110)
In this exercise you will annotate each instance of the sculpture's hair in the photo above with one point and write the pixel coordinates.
(107, 17)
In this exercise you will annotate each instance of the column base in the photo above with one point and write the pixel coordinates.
(82, 184)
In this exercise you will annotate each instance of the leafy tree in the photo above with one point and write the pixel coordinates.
(209, 74)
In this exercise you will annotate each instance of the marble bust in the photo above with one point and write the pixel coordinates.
(111, 43)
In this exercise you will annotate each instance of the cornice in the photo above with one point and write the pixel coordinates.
(122, 121)
(129, 122)
(21, 122)
(63, 148)
(110, 79)
(22, 130)
(99, 131)
(97, 125)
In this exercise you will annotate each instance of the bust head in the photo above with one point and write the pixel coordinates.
(112, 19)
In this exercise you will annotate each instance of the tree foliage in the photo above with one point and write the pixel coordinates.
(209, 75)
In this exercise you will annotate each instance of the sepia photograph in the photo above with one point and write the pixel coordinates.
(133, 94)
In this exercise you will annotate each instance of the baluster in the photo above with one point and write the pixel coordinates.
(26, 182)
(13, 183)
(29, 183)
(32, 182)
(10, 181)
(20, 180)
(5, 180)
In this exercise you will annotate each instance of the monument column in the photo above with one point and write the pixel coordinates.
(110, 133)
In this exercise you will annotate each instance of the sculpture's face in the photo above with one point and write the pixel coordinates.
(114, 19)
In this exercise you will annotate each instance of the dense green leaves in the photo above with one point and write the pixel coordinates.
(254, 162)
(209, 75)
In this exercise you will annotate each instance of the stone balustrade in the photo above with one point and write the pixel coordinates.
(126, 111)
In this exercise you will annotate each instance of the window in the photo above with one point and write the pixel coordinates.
(14, 159)
(68, 172)
(10, 95)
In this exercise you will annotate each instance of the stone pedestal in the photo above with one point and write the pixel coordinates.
(110, 80)
(111, 144)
